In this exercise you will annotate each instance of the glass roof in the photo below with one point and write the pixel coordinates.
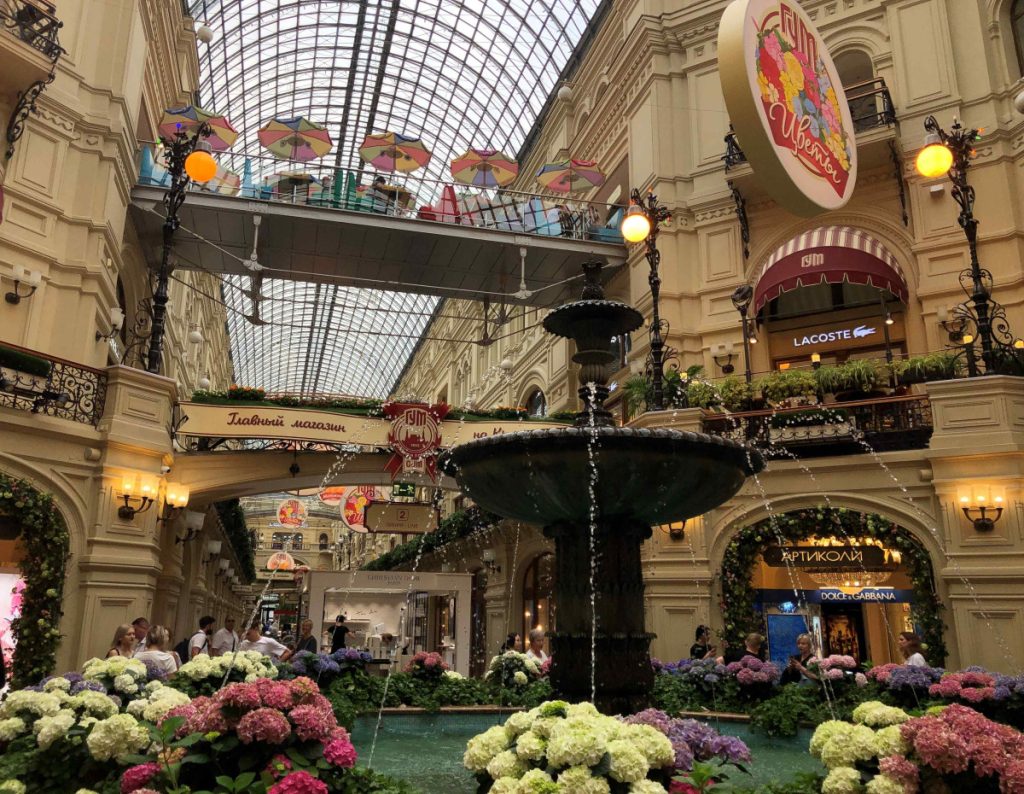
(456, 73)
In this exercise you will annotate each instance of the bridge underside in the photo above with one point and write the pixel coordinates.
(362, 249)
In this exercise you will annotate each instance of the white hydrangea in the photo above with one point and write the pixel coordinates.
(883, 784)
(452, 675)
(530, 747)
(506, 764)
(889, 741)
(655, 745)
(12, 728)
(162, 701)
(842, 780)
(520, 678)
(50, 729)
(94, 703)
(125, 683)
(116, 736)
(57, 683)
(578, 780)
(482, 748)
(646, 787)
(520, 722)
(12, 787)
(41, 704)
(536, 781)
(569, 747)
(505, 785)
(628, 763)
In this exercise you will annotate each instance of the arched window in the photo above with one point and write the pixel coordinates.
(537, 404)
(856, 73)
(539, 594)
(324, 543)
(122, 304)
(297, 540)
(1017, 22)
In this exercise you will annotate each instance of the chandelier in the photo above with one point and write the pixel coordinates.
(854, 580)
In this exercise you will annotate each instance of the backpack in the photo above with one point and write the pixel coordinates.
(183, 650)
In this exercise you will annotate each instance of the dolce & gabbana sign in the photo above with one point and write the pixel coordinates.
(787, 105)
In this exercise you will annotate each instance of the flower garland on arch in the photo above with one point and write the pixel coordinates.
(46, 543)
(739, 596)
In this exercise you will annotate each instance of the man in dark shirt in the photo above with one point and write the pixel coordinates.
(340, 630)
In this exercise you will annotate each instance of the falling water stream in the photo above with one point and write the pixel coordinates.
(592, 492)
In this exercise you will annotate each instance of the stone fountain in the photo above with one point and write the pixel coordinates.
(644, 478)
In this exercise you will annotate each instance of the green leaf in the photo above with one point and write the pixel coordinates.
(187, 741)
(225, 782)
(243, 780)
(196, 758)
(297, 758)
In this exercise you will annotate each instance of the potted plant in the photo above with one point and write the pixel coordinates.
(702, 394)
(933, 366)
(789, 387)
(829, 380)
(737, 395)
(859, 379)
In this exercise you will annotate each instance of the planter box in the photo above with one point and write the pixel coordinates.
(24, 380)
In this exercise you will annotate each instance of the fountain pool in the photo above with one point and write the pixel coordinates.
(426, 749)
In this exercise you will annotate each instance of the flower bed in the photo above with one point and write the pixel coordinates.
(204, 674)
(512, 670)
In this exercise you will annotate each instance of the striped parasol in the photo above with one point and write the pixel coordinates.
(484, 168)
(189, 118)
(295, 139)
(568, 176)
(391, 151)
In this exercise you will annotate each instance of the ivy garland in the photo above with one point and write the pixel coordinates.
(46, 543)
(739, 596)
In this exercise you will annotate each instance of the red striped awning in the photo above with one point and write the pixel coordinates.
(829, 255)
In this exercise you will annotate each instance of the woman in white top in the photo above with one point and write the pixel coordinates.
(124, 642)
(910, 647)
(156, 651)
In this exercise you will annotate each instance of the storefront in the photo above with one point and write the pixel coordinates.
(833, 293)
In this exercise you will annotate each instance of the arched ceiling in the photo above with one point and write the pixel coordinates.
(456, 73)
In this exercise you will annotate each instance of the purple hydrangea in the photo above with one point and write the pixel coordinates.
(693, 740)
(911, 677)
(81, 686)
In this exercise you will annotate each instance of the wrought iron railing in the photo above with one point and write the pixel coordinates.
(69, 391)
(870, 107)
(890, 423)
(33, 22)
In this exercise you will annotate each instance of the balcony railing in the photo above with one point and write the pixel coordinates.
(411, 196)
(870, 107)
(33, 22)
(891, 423)
(68, 391)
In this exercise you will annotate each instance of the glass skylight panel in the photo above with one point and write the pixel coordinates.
(458, 74)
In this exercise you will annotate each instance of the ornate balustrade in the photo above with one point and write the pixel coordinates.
(33, 22)
(67, 390)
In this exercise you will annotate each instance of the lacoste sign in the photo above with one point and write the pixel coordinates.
(834, 335)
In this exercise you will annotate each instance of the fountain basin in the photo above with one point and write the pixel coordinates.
(651, 476)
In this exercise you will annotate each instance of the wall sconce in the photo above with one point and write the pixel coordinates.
(30, 278)
(981, 508)
(194, 521)
(488, 557)
(954, 328)
(223, 566)
(136, 488)
(116, 323)
(815, 360)
(195, 336)
(230, 571)
(724, 358)
(676, 530)
(212, 549)
(175, 499)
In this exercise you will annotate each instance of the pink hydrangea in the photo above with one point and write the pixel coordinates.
(834, 674)
(275, 694)
(340, 752)
(882, 672)
(1012, 779)
(138, 777)
(312, 723)
(899, 769)
(839, 661)
(298, 783)
(279, 765)
(263, 725)
(240, 696)
(303, 689)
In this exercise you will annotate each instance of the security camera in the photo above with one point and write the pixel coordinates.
(165, 469)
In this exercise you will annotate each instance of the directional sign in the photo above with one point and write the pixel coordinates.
(405, 517)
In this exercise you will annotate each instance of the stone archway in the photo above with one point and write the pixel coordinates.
(741, 548)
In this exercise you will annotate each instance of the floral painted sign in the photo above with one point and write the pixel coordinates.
(787, 105)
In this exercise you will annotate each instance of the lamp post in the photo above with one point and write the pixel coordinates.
(641, 225)
(741, 298)
(188, 158)
(950, 153)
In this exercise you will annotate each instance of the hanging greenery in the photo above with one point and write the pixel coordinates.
(232, 516)
(739, 596)
(45, 540)
(460, 524)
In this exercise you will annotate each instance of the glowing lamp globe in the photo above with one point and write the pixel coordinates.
(935, 159)
(635, 226)
(200, 166)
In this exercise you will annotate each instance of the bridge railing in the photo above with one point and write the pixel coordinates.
(265, 178)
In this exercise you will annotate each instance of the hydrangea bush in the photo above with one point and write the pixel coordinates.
(118, 675)
(512, 670)
(572, 748)
(204, 675)
(692, 740)
(325, 667)
(426, 665)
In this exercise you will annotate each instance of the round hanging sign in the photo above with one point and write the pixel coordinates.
(355, 502)
(291, 513)
(787, 105)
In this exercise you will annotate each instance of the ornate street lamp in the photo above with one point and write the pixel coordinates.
(188, 159)
(741, 298)
(641, 225)
(951, 153)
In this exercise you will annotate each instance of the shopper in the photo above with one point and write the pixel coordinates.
(753, 645)
(513, 642)
(340, 630)
(536, 651)
(225, 640)
(200, 642)
(797, 670)
(157, 642)
(702, 647)
(141, 626)
(268, 646)
(124, 641)
(911, 647)
(307, 642)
